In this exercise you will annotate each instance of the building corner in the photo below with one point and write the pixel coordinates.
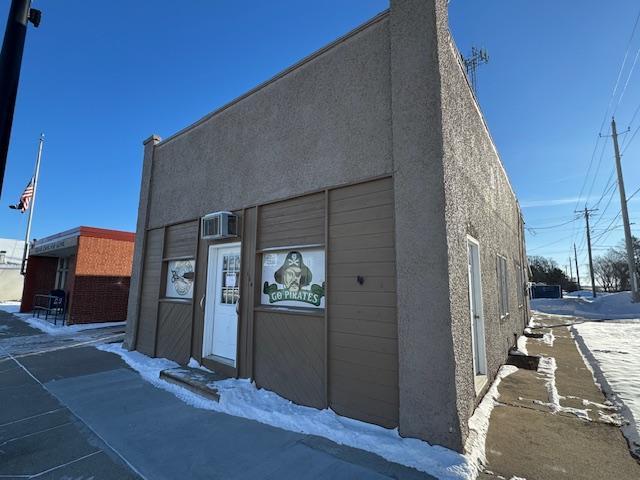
(428, 404)
(133, 305)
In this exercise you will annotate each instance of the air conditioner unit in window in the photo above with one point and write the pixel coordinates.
(218, 225)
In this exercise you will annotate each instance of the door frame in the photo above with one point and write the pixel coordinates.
(475, 284)
(211, 290)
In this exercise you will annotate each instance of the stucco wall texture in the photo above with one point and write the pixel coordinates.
(480, 203)
(426, 362)
(323, 123)
(389, 98)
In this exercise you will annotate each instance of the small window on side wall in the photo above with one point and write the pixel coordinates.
(519, 285)
(503, 292)
(180, 277)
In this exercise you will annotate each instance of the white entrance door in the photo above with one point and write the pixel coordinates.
(223, 294)
(475, 309)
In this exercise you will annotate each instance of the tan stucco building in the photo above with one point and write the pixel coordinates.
(374, 251)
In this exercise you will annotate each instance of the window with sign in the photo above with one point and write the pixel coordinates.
(230, 284)
(180, 277)
(293, 278)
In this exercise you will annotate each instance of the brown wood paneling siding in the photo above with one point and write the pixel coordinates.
(363, 330)
(181, 240)
(299, 221)
(174, 331)
(289, 356)
(175, 318)
(151, 279)
(289, 348)
(199, 292)
(247, 293)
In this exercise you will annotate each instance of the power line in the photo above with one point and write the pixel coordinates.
(610, 103)
(624, 62)
(608, 229)
(626, 145)
(624, 89)
(546, 227)
(633, 117)
(610, 184)
(595, 175)
(549, 244)
(604, 210)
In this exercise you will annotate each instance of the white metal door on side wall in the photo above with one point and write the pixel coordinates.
(222, 297)
(475, 309)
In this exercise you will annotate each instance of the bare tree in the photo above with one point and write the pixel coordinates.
(604, 271)
(612, 270)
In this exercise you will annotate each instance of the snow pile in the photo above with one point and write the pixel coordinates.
(521, 346)
(582, 294)
(241, 398)
(613, 351)
(604, 307)
(549, 338)
(10, 307)
(547, 367)
(60, 329)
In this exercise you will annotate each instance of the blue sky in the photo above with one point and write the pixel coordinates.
(98, 78)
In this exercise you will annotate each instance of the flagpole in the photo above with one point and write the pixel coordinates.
(36, 174)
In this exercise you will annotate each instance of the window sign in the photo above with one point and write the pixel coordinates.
(180, 276)
(293, 278)
(230, 293)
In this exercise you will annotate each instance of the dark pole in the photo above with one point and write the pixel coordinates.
(593, 281)
(10, 60)
(575, 252)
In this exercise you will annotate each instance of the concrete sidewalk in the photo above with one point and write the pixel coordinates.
(74, 412)
(533, 437)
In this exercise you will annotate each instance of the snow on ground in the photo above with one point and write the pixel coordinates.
(479, 421)
(10, 307)
(549, 338)
(59, 329)
(613, 350)
(241, 398)
(547, 368)
(521, 346)
(605, 306)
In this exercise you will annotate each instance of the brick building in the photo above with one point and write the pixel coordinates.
(92, 266)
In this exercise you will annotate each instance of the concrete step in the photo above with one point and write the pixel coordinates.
(194, 379)
(528, 362)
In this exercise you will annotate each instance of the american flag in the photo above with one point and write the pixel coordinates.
(25, 198)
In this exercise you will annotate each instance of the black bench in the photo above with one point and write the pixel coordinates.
(52, 305)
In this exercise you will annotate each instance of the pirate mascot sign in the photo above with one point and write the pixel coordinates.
(293, 279)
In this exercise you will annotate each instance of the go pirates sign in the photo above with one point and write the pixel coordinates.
(299, 278)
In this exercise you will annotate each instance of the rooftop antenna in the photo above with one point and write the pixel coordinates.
(477, 58)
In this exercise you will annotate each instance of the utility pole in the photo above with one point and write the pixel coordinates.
(20, 14)
(570, 270)
(36, 174)
(586, 214)
(575, 253)
(635, 296)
